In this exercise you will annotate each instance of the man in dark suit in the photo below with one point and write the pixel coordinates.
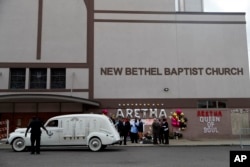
(126, 130)
(35, 125)
(165, 131)
(120, 128)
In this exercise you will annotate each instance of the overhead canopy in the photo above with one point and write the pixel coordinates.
(36, 98)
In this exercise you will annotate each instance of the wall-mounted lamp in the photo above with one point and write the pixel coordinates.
(166, 89)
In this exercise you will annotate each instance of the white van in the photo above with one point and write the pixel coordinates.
(92, 130)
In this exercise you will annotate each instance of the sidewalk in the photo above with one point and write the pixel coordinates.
(202, 142)
(174, 142)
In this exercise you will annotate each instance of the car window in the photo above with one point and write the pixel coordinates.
(53, 123)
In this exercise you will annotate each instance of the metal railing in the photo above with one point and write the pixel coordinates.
(4, 129)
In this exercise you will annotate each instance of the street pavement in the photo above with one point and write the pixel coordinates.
(179, 153)
(200, 142)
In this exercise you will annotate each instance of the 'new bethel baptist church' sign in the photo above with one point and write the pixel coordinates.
(171, 71)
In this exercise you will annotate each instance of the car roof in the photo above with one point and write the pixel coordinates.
(78, 115)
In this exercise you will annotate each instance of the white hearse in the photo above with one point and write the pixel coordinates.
(93, 130)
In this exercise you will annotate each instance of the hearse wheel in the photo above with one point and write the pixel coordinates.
(95, 144)
(18, 144)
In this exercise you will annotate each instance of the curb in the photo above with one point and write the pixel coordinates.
(7, 146)
(172, 143)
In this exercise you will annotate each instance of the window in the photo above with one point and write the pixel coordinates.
(58, 78)
(17, 78)
(202, 104)
(53, 123)
(38, 78)
(211, 104)
(222, 104)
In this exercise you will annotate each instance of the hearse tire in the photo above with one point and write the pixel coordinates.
(95, 144)
(18, 144)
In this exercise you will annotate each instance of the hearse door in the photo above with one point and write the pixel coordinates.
(80, 131)
(54, 133)
(73, 131)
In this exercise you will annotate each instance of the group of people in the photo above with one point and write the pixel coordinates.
(133, 129)
(160, 131)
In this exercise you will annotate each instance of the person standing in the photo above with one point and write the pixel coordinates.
(161, 136)
(140, 130)
(35, 138)
(134, 131)
(165, 131)
(156, 130)
(126, 130)
(121, 129)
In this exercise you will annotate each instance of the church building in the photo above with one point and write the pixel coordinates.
(132, 58)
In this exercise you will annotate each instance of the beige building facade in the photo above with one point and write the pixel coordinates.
(143, 58)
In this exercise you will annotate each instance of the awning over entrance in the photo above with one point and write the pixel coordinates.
(39, 98)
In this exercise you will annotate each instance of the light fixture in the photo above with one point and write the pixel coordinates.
(166, 89)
